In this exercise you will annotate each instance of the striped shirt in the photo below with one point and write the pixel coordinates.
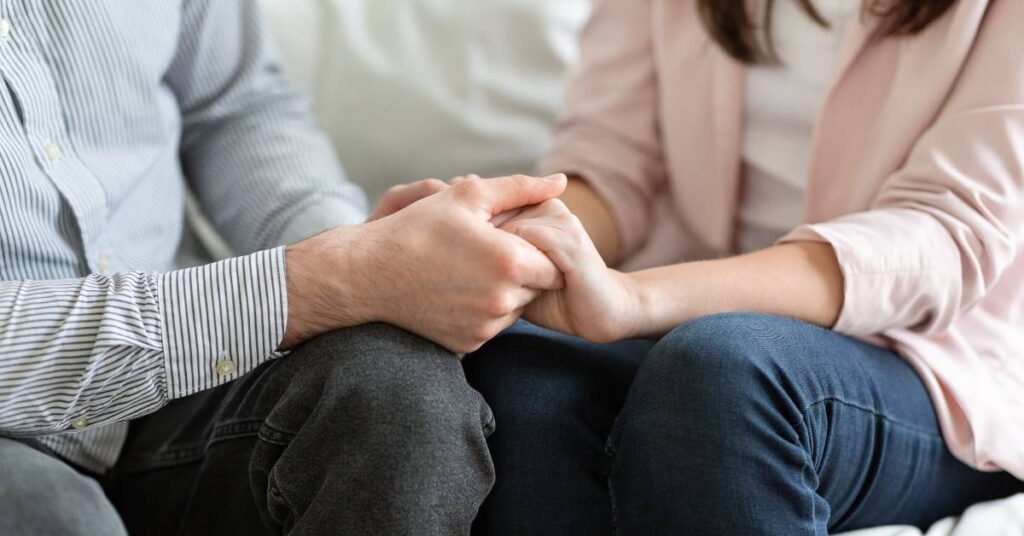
(106, 107)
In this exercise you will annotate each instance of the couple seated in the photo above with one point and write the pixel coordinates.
(467, 356)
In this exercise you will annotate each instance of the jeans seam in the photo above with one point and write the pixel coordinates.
(234, 430)
(277, 495)
(610, 451)
(273, 435)
(190, 453)
(906, 426)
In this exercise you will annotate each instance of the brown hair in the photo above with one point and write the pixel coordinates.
(730, 23)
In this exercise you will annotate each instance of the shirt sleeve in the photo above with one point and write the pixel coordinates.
(86, 352)
(263, 170)
(944, 228)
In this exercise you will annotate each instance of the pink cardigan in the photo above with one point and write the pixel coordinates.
(916, 180)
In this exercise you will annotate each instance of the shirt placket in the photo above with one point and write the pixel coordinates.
(31, 80)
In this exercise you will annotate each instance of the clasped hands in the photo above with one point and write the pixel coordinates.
(458, 263)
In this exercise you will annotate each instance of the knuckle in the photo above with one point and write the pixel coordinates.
(523, 182)
(557, 206)
(573, 222)
(434, 185)
(480, 335)
(499, 304)
(508, 265)
(470, 189)
(563, 215)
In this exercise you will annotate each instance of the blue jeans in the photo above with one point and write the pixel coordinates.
(731, 424)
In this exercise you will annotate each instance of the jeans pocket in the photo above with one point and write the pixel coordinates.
(270, 499)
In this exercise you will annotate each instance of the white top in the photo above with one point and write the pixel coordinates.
(782, 106)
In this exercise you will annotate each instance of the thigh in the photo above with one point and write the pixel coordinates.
(555, 399)
(777, 425)
(877, 446)
(873, 437)
(364, 427)
(40, 494)
(184, 469)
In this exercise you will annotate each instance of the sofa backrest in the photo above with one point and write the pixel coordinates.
(411, 89)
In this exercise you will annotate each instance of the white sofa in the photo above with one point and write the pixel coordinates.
(411, 89)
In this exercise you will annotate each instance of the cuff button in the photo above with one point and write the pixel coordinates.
(226, 367)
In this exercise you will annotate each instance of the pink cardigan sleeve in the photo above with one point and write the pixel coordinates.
(944, 227)
(609, 133)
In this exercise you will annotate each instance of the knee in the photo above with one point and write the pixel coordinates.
(721, 362)
(375, 372)
(381, 417)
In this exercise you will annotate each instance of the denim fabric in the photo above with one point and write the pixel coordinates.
(367, 430)
(40, 494)
(555, 398)
(731, 424)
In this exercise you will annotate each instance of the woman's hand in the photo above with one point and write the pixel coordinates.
(400, 196)
(597, 303)
(403, 195)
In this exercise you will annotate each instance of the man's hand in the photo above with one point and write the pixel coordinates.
(597, 303)
(438, 268)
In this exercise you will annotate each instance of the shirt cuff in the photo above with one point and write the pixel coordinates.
(222, 320)
(896, 263)
(326, 214)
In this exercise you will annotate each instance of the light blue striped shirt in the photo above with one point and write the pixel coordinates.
(106, 107)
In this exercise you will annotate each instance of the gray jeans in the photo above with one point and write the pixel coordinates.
(368, 430)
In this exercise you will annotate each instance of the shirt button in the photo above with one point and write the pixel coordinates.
(53, 151)
(226, 367)
(5, 28)
(79, 423)
(102, 263)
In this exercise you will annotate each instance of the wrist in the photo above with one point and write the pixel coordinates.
(657, 308)
(324, 290)
(636, 307)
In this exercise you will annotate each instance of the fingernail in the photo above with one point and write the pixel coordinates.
(557, 177)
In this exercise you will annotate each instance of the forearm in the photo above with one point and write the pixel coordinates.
(596, 217)
(101, 349)
(800, 280)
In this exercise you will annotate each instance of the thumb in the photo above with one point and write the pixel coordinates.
(494, 196)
